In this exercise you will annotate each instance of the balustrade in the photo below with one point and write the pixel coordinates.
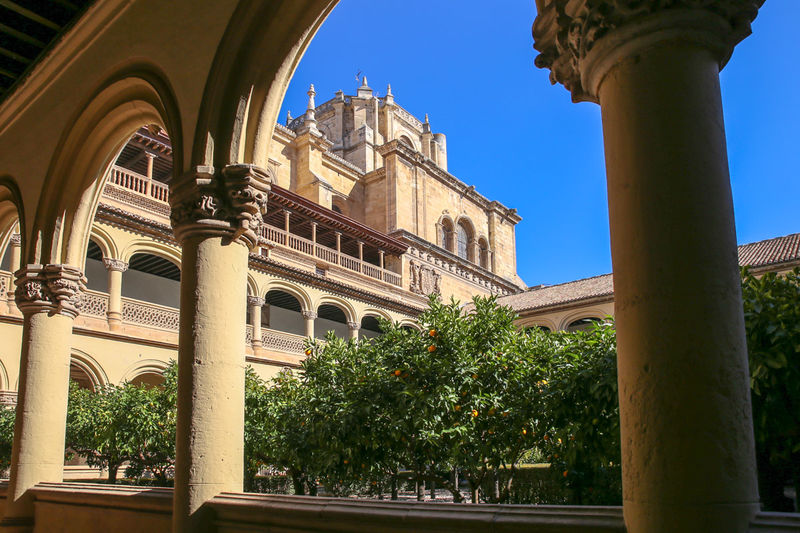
(149, 314)
(133, 181)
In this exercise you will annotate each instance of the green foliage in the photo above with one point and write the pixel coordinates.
(124, 423)
(7, 416)
(772, 320)
(468, 393)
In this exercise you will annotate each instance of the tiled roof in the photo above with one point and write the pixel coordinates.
(757, 254)
(770, 251)
(572, 291)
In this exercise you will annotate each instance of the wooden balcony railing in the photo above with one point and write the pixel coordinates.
(295, 242)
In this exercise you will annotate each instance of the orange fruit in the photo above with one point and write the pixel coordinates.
(565, 473)
(398, 372)
(457, 407)
(432, 348)
(474, 413)
(474, 376)
(524, 431)
(546, 437)
(432, 333)
(309, 351)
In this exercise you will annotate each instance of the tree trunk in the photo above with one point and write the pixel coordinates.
(112, 473)
(394, 486)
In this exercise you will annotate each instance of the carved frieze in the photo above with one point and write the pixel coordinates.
(566, 31)
(117, 265)
(51, 288)
(424, 279)
(231, 202)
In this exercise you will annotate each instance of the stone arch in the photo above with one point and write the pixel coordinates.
(348, 309)
(4, 382)
(283, 311)
(409, 323)
(145, 367)
(248, 80)
(406, 139)
(136, 96)
(12, 213)
(465, 238)
(445, 232)
(144, 246)
(579, 315)
(81, 361)
(483, 252)
(295, 290)
(376, 313)
(105, 241)
(252, 285)
(543, 322)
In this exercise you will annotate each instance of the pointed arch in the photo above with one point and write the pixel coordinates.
(248, 80)
(12, 212)
(105, 241)
(135, 96)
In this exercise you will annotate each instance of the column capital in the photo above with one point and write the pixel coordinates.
(258, 301)
(16, 240)
(353, 326)
(580, 40)
(309, 315)
(230, 203)
(50, 288)
(117, 265)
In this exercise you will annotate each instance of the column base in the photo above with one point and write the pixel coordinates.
(666, 518)
(114, 321)
(16, 525)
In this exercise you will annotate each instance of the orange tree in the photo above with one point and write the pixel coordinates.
(772, 319)
(581, 412)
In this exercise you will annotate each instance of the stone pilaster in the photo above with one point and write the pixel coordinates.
(15, 248)
(216, 217)
(115, 269)
(49, 297)
(653, 67)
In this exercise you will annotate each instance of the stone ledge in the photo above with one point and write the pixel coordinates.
(255, 512)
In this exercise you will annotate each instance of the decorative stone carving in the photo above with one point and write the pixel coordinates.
(51, 288)
(567, 31)
(424, 279)
(230, 203)
(309, 315)
(117, 265)
(16, 240)
(255, 301)
(353, 326)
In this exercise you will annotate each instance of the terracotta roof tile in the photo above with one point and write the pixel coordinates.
(757, 254)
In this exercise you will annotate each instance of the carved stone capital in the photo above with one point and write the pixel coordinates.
(309, 315)
(54, 289)
(16, 240)
(580, 40)
(353, 326)
(255, 301)
(115, 264)
(230, 203)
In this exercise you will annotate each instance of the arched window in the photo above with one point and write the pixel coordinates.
(370, 327)
(484, 253)
(582, 324)
(152, 279)
(446, 235)
(282, 312)
(464, 241)
(330, 318)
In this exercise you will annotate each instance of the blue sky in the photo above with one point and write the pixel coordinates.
(521, 141)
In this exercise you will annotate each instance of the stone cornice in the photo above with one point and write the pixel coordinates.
(434, 170)
(334, 159)
(580, 40)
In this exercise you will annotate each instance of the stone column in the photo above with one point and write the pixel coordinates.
(215, 217)
(115, 268)
(353, 327)
(286, 217)
(256, 303)
(309, 317)
(15, 245)
(49, 297)
(686, 427)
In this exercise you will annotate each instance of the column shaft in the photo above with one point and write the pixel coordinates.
(114, 311)
(309, 317)
(48, 297)
(255, 318)
(687, 434)
(210, 431)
